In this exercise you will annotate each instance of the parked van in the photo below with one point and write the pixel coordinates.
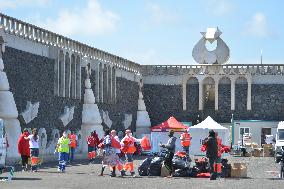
(279, 141)
(2, 144)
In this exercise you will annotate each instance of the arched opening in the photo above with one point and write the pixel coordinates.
(192, 94)
(224, 94)
(100, 82)
(67, 75)
(78, 77)
(241, 91)
(208, 93)
(113, 85)
(105, 84)
(61, 74)
(73, 76)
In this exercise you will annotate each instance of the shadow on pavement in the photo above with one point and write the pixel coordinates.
(21, 178)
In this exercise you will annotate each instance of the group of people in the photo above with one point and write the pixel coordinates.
(28, 147)
(112, 148)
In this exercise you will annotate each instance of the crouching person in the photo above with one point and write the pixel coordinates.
(171, 147)
(63, 151)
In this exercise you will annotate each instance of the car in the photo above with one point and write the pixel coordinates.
(279, 142)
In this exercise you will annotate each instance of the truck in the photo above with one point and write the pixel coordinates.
(279, 142)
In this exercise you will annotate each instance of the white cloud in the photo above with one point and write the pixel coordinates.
(91, 20)
(257, 26)
(13, 4)
(220, 7)
(160, 15)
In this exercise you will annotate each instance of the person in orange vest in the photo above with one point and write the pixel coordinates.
(128, 149)
(117, 151)
(73, 144)
(185, 142)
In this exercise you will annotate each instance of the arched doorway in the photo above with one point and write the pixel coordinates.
(241, 89)
(208, 93)
(224, 93)
(192, 94)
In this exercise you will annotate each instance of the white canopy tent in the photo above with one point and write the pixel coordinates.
(200, 131)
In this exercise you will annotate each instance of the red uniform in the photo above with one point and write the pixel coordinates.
(91, 141)
(23, 145)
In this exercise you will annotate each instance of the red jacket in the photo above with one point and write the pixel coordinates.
(23, 145)
(91, 141)
(97, 140)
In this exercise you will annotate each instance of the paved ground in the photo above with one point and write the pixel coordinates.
(262, 173)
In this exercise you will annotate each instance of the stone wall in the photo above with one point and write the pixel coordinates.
(31, 78)
(163, 101)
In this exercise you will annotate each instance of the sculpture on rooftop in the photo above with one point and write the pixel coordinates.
(218, 56)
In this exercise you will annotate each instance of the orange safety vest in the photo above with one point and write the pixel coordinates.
(185, 139)
(73, 143)
(128, 146)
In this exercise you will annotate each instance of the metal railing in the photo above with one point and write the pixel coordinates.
(31, 32)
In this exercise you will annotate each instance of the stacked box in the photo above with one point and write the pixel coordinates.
(257, 152)
(239, 170)
(267, 148)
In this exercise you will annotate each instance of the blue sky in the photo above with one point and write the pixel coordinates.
(161, 31)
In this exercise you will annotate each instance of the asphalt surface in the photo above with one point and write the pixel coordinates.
(262, 173)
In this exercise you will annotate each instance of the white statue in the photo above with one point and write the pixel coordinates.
(67, 116)
(218, 56)
(30, 112)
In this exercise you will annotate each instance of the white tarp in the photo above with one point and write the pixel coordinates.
(157, 137)
(200, 131)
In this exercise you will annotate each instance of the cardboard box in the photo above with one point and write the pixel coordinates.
(257, 153)
(239, 170)
(164, 171)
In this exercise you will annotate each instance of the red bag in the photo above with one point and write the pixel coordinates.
(115, 143)
(91, 155)
(203, 148)
(145, 143)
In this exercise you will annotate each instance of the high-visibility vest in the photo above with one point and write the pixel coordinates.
(128, 145)
(63, 145)
(185, 139)
(73, 143)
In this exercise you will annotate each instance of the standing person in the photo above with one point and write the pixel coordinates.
(185, 142)
(62, 148)
(34, 149)
(127, 146)
(211, 146)
(91, 147)
(118, 152)
(24, 149)
(73, 144)
(110, 158)
(171, 147)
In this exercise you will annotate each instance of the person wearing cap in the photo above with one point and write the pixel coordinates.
(62, 148)
(211, 146)
(171, 147)
(128, 148)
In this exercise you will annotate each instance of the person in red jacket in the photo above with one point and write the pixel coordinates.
(24, 149)
(91, 148)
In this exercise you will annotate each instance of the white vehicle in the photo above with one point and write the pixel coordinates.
(2, 144)
(279, 142)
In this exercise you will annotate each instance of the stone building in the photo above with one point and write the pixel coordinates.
(51, 82)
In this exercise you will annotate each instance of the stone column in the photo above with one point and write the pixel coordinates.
(184, 96)
(233, 85)
(91, 118)
(107, 85)
(8, 109)
(249, 95)
(200, 95)
(216, 94)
